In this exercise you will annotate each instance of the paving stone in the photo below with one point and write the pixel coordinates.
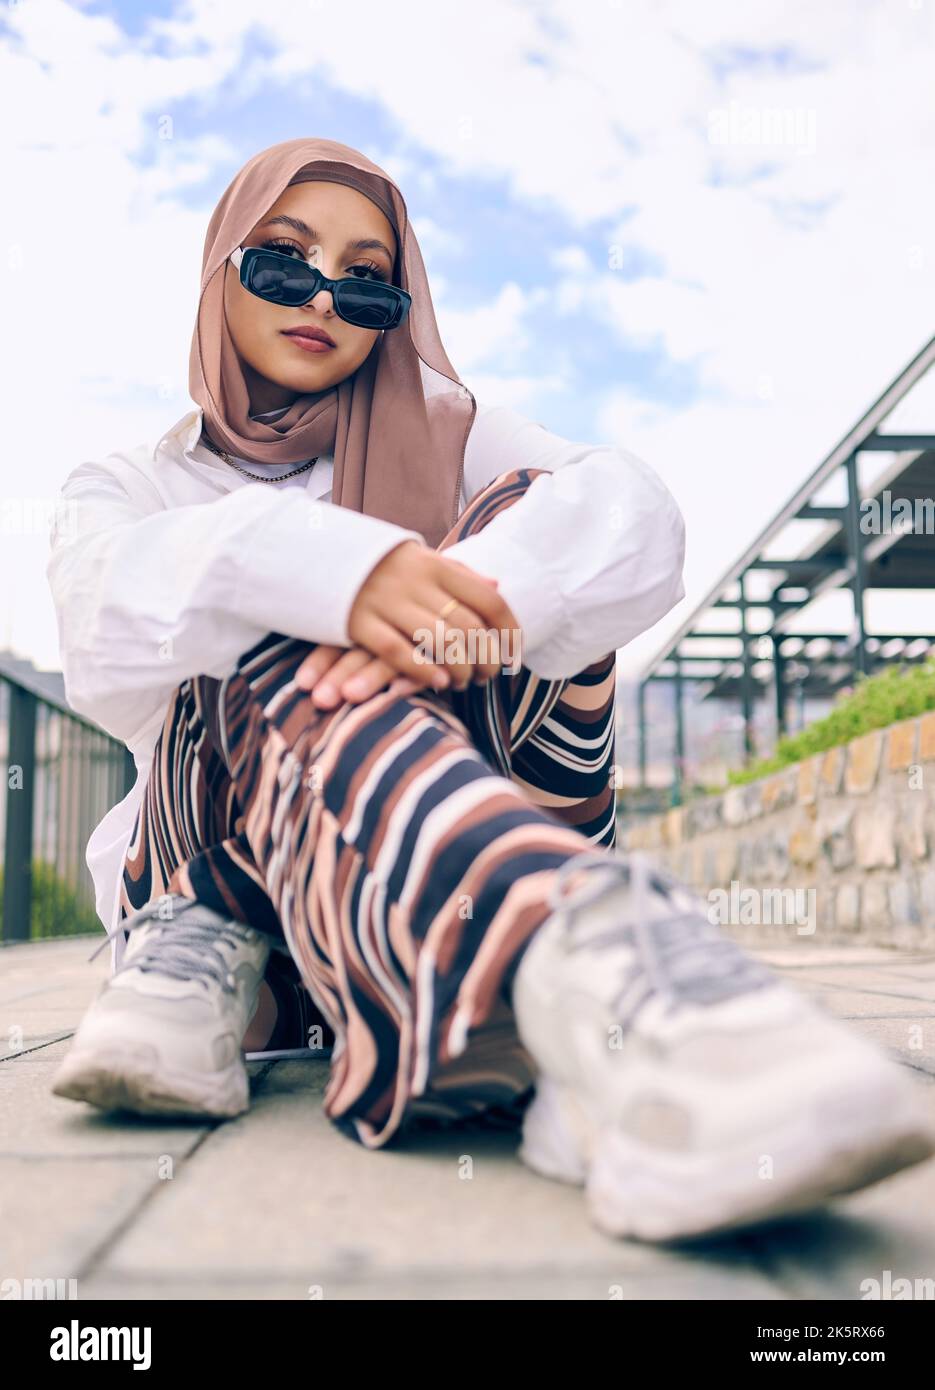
(857, 1004)
(352, 1212)
(45, 987)
(609, 1285)
(278, 1201)
(56, 1213)
(34, 1122)
(882, 985)
(809, 956)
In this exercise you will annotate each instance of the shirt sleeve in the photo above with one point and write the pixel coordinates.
(146, 597)
(588, 557)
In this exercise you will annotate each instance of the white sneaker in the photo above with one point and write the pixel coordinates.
(681, 1082)
(164, 1035)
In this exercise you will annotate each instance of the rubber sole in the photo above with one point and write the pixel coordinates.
(830, 1149)
(132, 1080)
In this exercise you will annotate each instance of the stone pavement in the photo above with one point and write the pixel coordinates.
(278, 1205)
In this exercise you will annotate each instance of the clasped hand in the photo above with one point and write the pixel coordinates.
(402, 595)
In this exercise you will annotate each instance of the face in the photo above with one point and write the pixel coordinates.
(345, 235)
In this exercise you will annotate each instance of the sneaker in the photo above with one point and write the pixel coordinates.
(164, 1034)
(687, 1088)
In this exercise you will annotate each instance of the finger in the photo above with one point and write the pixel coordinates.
(316, 664)
(460, 641)
(373, 676)
(384, 639)
(328, 690)
(444, 642)
(404, 685)
(475, 593)
(497, 640)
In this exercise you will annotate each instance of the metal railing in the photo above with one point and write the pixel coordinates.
(61, 775)
(840, 558)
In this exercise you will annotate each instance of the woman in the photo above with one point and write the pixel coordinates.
(370, 693)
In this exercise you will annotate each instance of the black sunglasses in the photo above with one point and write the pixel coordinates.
(282, 279)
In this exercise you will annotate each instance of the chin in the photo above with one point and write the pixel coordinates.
(317, 367)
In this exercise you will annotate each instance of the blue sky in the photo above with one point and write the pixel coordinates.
(618, 244)
(494, 237)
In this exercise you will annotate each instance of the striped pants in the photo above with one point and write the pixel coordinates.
(400, 852)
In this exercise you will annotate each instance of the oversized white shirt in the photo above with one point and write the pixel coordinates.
(152, 586)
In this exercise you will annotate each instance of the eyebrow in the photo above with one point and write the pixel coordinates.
(297, 225)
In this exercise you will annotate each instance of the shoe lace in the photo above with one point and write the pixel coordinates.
(183, 945)
(681, 956)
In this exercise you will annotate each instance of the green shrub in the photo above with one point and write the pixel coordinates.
(57, 909)
(898, 692)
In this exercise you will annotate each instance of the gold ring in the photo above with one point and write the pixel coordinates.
(452, 603)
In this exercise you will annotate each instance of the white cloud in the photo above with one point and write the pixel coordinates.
(795, 290)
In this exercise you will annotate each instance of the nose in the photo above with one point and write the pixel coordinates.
(323, 302)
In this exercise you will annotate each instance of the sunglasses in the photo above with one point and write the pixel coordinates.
(282, 279)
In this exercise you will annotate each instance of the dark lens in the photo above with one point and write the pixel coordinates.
(273, 278)
(367, 303)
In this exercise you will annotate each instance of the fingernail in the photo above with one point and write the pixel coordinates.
(324, 693)
(441, 680)
(355, 686)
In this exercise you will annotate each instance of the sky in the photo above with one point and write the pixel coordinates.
(701, 232)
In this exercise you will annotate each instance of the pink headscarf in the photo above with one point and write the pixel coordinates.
(399, 425)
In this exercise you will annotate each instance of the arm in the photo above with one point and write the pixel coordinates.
(588, 557)
(147, 596)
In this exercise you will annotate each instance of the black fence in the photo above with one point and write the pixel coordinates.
(61, 774)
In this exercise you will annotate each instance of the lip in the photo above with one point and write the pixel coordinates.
(310, 339)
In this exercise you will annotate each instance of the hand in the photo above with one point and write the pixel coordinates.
(400, 602)
(334, 673)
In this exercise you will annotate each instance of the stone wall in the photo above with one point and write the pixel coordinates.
(839, 847)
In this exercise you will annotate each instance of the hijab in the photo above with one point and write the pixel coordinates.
(397, 428)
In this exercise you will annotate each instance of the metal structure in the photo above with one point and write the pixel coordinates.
(61, 774)
(843, 556)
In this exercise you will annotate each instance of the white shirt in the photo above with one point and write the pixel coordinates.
(151, 586)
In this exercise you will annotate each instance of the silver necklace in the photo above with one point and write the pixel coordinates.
(222, 453)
